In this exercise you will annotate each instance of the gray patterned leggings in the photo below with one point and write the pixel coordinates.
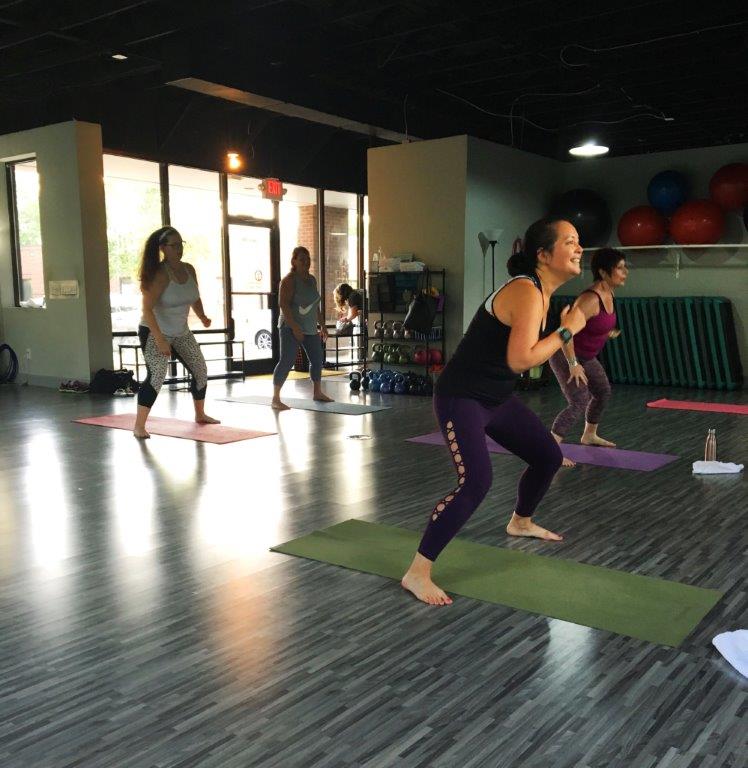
(186, 350)
(590, 399)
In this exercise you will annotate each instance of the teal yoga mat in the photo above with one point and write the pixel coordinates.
(647, 608)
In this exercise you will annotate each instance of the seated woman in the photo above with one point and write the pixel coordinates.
(349, 304)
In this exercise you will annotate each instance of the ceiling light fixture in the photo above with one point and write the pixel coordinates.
(119, 56)
(590, 149)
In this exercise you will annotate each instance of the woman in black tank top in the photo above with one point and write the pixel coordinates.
(473, 396)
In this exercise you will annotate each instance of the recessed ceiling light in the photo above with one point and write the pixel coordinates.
(119, 56)
(590, 149)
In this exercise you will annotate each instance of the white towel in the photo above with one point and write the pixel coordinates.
(734, 647)
(715, 467)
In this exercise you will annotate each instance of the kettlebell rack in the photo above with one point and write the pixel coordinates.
(388, 342)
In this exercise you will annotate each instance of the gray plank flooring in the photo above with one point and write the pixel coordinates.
(143, 622)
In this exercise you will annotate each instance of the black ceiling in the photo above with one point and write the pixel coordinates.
(648, 76)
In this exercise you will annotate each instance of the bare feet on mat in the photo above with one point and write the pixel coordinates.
(425, 589)
(279, 406)
(141, 434)
(596, 440)
(206, 420)
(565, 462)
(524, 526)
(323, 398)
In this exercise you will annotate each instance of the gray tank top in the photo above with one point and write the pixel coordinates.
(304, 304)
(173, 306)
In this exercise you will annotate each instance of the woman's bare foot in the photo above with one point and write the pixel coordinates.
(417, 580)
(524, 526)
(140, 433)
(425, 590)
(564, 462)
(205, 419)
(596, 440)
(321, 397)
(279, 406)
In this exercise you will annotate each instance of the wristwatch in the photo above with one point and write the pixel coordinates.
(565, 334)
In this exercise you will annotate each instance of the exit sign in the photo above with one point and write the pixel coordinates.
(272, 189)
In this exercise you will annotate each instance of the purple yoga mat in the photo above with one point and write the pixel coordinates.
(582, 454)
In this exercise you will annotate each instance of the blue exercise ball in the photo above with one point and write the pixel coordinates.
(667, 191)
(588, 212)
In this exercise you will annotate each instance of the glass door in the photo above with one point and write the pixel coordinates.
(253, 310)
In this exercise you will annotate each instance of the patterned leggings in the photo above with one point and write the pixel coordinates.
(186, 350)
(590, 399)
(465, 423)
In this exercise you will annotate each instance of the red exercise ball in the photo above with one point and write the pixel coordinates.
(643, 225)
(729, 186)
(697, 222)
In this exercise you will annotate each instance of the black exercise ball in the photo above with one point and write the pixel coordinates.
(588, 212)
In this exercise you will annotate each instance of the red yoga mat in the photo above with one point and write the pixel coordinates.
(206, 433)
(692, 405)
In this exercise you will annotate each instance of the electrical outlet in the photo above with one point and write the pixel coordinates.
(28, 353)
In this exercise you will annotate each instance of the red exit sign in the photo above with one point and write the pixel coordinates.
(272, 189)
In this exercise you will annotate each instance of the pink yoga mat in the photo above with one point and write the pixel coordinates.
(206, 433)
(692, 405)
(581, 454)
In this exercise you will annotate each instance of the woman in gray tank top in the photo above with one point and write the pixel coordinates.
(301, 313)
(169, 288)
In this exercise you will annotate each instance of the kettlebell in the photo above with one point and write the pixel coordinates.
(379, 329)
(386, 386)
(377, 353)
(393, 358)
(407, 333)
(388, 330)
(397, 330)
(400, 387)
(435, 357)
(404, 357)
(365, 381)
(355, 378)
(419, 356)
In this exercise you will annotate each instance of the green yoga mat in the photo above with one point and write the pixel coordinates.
(652, 609)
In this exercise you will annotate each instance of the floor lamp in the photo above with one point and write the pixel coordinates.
(485, 238)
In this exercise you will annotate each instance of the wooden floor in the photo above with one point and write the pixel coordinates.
(143, 621)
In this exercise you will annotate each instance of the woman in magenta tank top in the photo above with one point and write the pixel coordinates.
(579, 372)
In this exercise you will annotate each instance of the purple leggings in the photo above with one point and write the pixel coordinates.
(590, 399)
(465, 422)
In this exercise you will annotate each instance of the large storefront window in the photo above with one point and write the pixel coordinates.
(341, 245)
(195, 210)
(27, 248)
(298, 225)
(133, 211)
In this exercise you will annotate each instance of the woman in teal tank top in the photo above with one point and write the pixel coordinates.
(301, 313)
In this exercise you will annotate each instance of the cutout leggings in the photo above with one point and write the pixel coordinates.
(465, 422)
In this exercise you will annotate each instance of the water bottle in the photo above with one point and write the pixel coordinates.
(710, 446)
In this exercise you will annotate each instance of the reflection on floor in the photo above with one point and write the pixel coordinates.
(145, 623)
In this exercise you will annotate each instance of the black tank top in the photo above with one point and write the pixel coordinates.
(478, 368)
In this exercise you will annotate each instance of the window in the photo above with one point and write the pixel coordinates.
(245, 198)
(133, 211)
(298, 225)
(28, 263)
(195, 210)
(341, 246)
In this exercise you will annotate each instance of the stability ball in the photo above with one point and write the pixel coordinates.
(697, 222)
(588, 212)
(667, 191)
(642, 225)
(729, 186)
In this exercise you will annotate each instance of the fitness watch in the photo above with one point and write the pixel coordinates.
(565, 334)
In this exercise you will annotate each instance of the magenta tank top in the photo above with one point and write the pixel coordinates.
(591, 339)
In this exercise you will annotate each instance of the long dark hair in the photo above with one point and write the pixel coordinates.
(150, 261)
(341, 294)
(540, 235)
(605, 260)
